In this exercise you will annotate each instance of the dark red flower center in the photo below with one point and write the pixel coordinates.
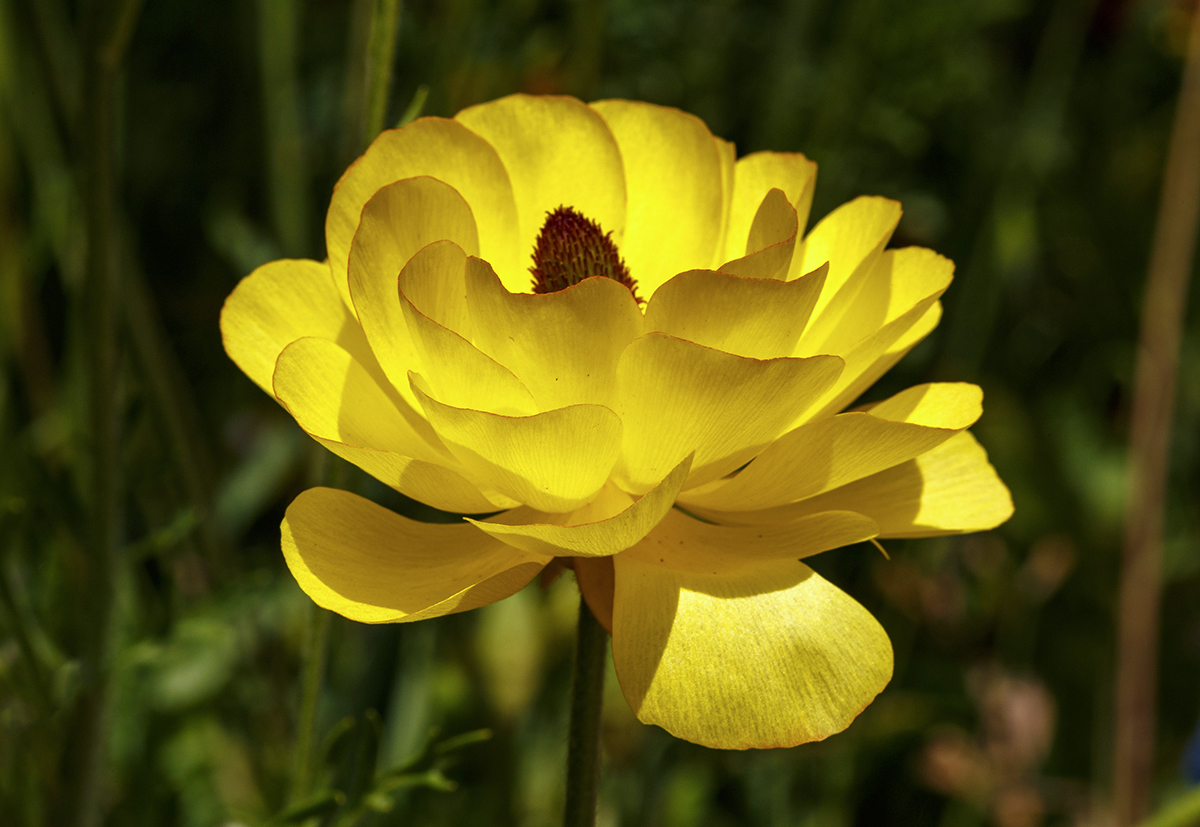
(572, 247)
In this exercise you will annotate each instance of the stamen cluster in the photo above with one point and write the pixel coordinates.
(572, 247)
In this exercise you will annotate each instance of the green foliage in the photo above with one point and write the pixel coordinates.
(1026, 141)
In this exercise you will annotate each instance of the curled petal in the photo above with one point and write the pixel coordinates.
(563, 346)
(748, 650)
(756, 318)
(754, 176)
(851, 239)
(677, 397)
(279, 303)
(374, 566)
(599, 538)
(772, 240)
(828, 453)
(553, 461)
(674, 177)
(442, 149)
(336, 401)
(952, 489)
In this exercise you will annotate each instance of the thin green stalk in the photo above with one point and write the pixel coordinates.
(316, 653)
(381, 52)
(287, 170)
(1154, 381)
(583, 740)
(108, 28)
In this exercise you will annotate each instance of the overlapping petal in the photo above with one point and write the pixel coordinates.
(557, 152)
(734, 643)
(372, 565)
(451, 153)
(676, 397)
(674, 179)
(279, 303)
(754, 176)
(553, 461)
(772, 240)
(563, 346)
(831, 452)
(338, 403)
(587, 536)
(760, 318)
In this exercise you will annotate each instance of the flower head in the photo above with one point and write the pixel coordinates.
(658, 403)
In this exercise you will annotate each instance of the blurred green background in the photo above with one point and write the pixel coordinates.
(1026, 141)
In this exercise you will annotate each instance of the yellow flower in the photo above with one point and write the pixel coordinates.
(673, 430)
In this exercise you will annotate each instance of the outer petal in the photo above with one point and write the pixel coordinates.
(756, 318)
(851, 239)
(949, 490)
(727, 153)
(772, 240)
(553, 461)
(675, 184)
(677, 397)
(374, 566)
(828, 453)
(898, 281)
(753, 652)
(754, 176)
(603, 537)
(440, 148)
(340, 405)
(563, 346)
(279, 303)
(557, 152)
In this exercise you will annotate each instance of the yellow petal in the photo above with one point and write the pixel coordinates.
(339, 404)
(557, 152)
(757, 318)
(675, 183)
(459, 373)
(828, 453)
(397, 222)
(949, 490)
(754, 176)
(599, 538)
(851, 239)
(434, 280)
(677, 397)
(772, 241)
(368, 564)
(553, 461)
(279, 303)
(868, 360)
(899, 281)
(563, 346)
(759, 652)
(442, 149)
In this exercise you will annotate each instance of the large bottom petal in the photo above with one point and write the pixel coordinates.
(770, 656)
(374, 566)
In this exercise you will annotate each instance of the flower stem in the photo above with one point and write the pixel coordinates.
(315, 655)
(583, 741)
(1154, 381)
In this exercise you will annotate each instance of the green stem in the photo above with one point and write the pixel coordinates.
(315, 655)
(583, 741)
(1154, 379)
(108, 27)
(381, 51)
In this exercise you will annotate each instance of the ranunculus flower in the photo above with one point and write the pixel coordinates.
(671, 427)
